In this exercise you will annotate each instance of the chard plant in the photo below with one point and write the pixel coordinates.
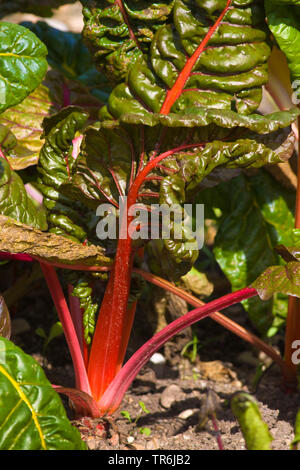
(168, 114)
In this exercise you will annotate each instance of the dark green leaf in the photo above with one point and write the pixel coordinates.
(68, 54)
(149, 45)
(296, 439)
(32, 416)
(15, 202)
(256, 215)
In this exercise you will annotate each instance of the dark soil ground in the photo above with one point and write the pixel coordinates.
(164, 407)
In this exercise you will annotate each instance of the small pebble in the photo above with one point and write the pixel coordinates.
(186, 414)
(157, 358)
(152, 444)
(170, 395)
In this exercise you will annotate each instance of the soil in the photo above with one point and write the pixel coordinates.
(165, 406)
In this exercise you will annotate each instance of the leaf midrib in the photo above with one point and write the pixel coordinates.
(26, 401)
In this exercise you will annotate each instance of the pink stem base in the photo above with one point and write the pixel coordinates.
(113, 396)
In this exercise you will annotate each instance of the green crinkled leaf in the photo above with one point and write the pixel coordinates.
(256, 215)
(66, 214)
(32, 416)
(15, 202)
(255, 431)
(73, 80)
(215, 118)
(110, 155)
(22, 63)
(285, 25)
(119, 32)
(229, 73)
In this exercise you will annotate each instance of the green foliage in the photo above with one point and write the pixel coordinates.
(283, 278)
(15, 202)
(32, 416)
(254, 429)
(69, 55)
(284, 24)
(22, 63)
(55, 331)
(256, 215)
(83, 292)
(296, 440)
(147, 45)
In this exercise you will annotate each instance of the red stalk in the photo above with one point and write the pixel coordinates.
(218, 317)
(113, 322)
(69, 330)
(189, 298)
(113, 396)
(174, 93)
(115, 318)
(292, 332)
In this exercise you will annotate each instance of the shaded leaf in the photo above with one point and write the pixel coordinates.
(68, 54)
(255, 431)
(15, 202)
(32, 416)
(5, 324)
(22, 63)
(257, 214)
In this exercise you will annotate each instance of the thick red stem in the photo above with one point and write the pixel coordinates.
(218, 317)
(111, 399)
(69, 330)
(292, 331)
(113, 322)
(115, 318)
